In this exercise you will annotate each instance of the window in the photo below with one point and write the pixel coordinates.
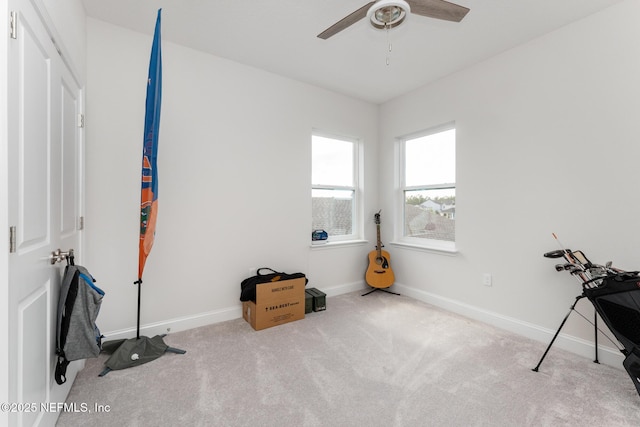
(429, 188)
(334, 186)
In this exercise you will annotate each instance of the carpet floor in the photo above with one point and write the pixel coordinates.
(379, 360)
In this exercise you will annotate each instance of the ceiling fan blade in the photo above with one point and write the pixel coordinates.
(438, 9)
(346, 21)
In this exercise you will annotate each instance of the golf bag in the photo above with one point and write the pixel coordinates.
(617, 301)
(615, 295)
(77, 336)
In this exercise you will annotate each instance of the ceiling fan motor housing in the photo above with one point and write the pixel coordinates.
(388, 13)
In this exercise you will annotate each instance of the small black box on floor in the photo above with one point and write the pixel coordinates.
(319, 299)
(308, 302)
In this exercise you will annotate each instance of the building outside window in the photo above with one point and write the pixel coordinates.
(429, 188)
(334, 192)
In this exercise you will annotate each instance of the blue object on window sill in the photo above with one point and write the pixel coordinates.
(319, 235)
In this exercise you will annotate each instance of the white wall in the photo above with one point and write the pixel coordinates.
(547, 141)
(234, 181)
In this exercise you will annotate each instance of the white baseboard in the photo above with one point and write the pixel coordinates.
(203, 319)
(570, 343)
(344, 289)
(579, 346)
(177, 324)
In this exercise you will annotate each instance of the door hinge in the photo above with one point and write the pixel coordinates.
(14, 25)
(12, 239)
(81, 223)
(80, 120)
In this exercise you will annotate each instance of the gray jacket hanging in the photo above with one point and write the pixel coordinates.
(77, 335)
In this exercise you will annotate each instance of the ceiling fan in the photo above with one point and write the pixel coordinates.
(385, 14)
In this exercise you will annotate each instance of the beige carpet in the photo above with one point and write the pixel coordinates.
(379, 360)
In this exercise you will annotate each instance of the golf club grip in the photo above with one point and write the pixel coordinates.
(556, 254)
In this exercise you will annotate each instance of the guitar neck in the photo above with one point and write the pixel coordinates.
(379, 245)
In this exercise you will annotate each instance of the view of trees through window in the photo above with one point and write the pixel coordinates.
(332, 211)
(414, 199)
(430, 189)
(333, 183)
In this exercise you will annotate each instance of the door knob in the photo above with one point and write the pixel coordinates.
(58, 255)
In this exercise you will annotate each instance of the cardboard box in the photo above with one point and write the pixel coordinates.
(319, 299)
(276, 303)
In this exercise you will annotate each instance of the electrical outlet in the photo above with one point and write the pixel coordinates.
(487, 280)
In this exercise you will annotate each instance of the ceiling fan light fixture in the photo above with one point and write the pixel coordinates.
(388, 13)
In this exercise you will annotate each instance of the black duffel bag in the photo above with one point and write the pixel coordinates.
(248, 286)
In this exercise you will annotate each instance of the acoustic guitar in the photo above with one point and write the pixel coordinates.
(379, 274)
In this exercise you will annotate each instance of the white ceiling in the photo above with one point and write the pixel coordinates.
(280, 36)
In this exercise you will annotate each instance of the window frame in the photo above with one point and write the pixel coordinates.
(400, 237)
(356, 214)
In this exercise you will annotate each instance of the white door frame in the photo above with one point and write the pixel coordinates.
(4, 218)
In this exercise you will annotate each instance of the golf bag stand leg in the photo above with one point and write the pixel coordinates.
(578, 298)
(595, 333)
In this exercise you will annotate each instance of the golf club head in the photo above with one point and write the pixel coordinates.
(576, 270)
(573, 266)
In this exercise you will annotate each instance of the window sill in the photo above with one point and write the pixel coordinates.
(424, 248)
(339, 244)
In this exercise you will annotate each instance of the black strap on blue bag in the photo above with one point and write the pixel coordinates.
(68, 295)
